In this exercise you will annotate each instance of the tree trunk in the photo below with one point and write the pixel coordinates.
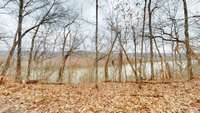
(62, 67)
(120, 64)
(108, 58)
(135, 51)
(142, 41)
(31, 53)
(18, 69)
(96, 44)
(187, 41)
(151, 40)
(129, 61)
(167, 66)
(10, 55)
(161, 58)
(64, 57)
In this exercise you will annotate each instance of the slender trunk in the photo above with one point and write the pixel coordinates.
(120, 64)
(172, 47)
(64, 57)
(187, 42)
(161, 58)
(176, 51)
(145, 62)
(129, 61)
(108, 58)
(165, 57)
(10, 55)
(135, 51)
(18, 69)
(36, 52)
(106, 68)
(142, 42)
(173, 58)
(120, 58)
(136, 58)
(96, 43)
(151, 40)
(62, 67)
(31, 53)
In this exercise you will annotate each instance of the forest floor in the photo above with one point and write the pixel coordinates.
(153, 97)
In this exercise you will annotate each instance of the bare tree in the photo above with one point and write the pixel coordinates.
(64, 57)
(19, 35)
(142, 41)
(108, 57)
(120, 59)
(187, 41)
(151, 39)
(96, 43)
(51, 14)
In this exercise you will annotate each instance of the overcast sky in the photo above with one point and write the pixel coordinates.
(87, 10)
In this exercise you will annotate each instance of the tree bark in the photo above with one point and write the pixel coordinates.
(10, 55)
(135, 52)
(120, 65)
(129, 61)
(31, 53)
(108, 58)
(161, 58)
(96, 44)
(64, 57)
(20, 19)
(62, 67)
(151, 40)
(142, 41)
(187, 41)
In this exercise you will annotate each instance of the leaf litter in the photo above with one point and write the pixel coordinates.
(173, 97)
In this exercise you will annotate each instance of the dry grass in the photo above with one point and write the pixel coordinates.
(87, 61)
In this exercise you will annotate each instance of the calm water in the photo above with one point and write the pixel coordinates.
(78, 75)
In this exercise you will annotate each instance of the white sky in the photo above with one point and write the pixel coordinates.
(87, 7)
